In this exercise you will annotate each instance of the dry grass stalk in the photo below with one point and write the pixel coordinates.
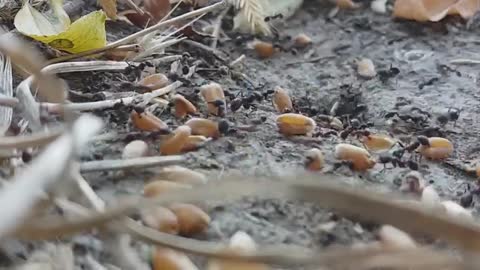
(133, 163)
(33, 140)
(6, 92)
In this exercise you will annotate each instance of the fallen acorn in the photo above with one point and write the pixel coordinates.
(135, 149)
(262, 48)
(314, 160)
(214, 96)
(146, 121)
(393, 238)
(192, 219)
(358, 157)
(181, 175)
(375, 142)
(295, 124)
(366, 68)
(435, 148)
(281, 100)
(174, 144)
(194, 142)
(154, 81)
(302, 40)
(204, 127)
(161, 219)
(168, 259)
(183, 107)
(157, 187)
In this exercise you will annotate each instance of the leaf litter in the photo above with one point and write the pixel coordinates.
(39, 187)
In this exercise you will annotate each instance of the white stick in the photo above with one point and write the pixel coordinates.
(122, 164)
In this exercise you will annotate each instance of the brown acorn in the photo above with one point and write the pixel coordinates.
(214, 96)
(194, 142)
(169, 259)
(157, 187)
(302, 40)
(263, 49)
(161, 219)
(182, 175)
(174, 144)
(154, 81)
(183, 107)
(192, 219)
(204, 127)
(281, 100)
(146, 121)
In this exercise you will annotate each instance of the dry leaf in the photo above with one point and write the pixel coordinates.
(434, 10)
(110, 8)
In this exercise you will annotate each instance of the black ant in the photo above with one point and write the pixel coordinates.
(248, 101)
(397, 162)
(387, 74)
(451, 115)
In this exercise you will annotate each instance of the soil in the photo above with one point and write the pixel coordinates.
(317, 77)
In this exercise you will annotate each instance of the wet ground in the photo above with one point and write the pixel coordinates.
(317, 77)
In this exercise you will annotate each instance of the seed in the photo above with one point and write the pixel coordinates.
(295, 124)
(393, 238)
(174, 145)
(183, 107)
(281, 100)
(366, 68)
(182, 175)
(154, 81)
(204, 127)
(146, 121)
(161, 219)
(158, 187)
(168, 259)
(263, 49)
(302, 40)
(437, 148)
(242, 242)
(359, 157)
(314, 159)
(214, 96)
(135, 149)
(377, 142)
(194, 142)
(347, 4)
(192, 219)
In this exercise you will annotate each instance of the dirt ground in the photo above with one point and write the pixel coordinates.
(317, 75)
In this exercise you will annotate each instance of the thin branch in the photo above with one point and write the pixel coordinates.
(33, 140)
(8, 101)
(143, 32)
(217, 27)
(132, 4)
(125, 164)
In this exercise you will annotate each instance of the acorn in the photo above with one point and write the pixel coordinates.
(204, 127)
(393, 238)
(359, 157)
(375, 142)
(263, 49)
(281, 100)
(183, 107)
(366, 68)
(168, 259)
(157, 187)
(435, 147)
(135, 149)
(182, 175)
(214, 96)
(194, 142)
(302, 40)
(161, 219)
(192, 219)
(174, 144)
(146, 121)
(154, 81)
(314, 160)
(295, 124)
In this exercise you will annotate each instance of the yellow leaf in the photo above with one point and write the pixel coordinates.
(84, 34)
(110, 7)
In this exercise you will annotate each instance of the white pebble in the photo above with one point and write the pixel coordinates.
(135, 149)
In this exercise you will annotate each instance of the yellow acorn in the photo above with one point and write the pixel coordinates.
(281, 100)
(314, 159)
(435, 147)
(375, 142)
(204, 127)
(183, 107)
(168, 259)
(295, 124)
(194, 142)
(214, 96)
(146, 121)
(161, 219)
(181, 175)
(359, 157)
(157, 187)
(192, 219)
(154, 81)
(174, 145)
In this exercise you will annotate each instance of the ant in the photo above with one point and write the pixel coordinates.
(248, 101)
(420, 140)
(385, 75)
(451, 115)
(397, 162)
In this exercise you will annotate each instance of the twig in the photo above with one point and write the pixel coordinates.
(237, 61)
(95, 201)
(8, 101)
(132, 4)
(125, 164)
(217, 27)
(143, 32)
(33, 140)
(462, 61)
(105, 104)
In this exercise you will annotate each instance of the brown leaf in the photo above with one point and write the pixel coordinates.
(140, 20)
(157, 8)
(110, 7)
